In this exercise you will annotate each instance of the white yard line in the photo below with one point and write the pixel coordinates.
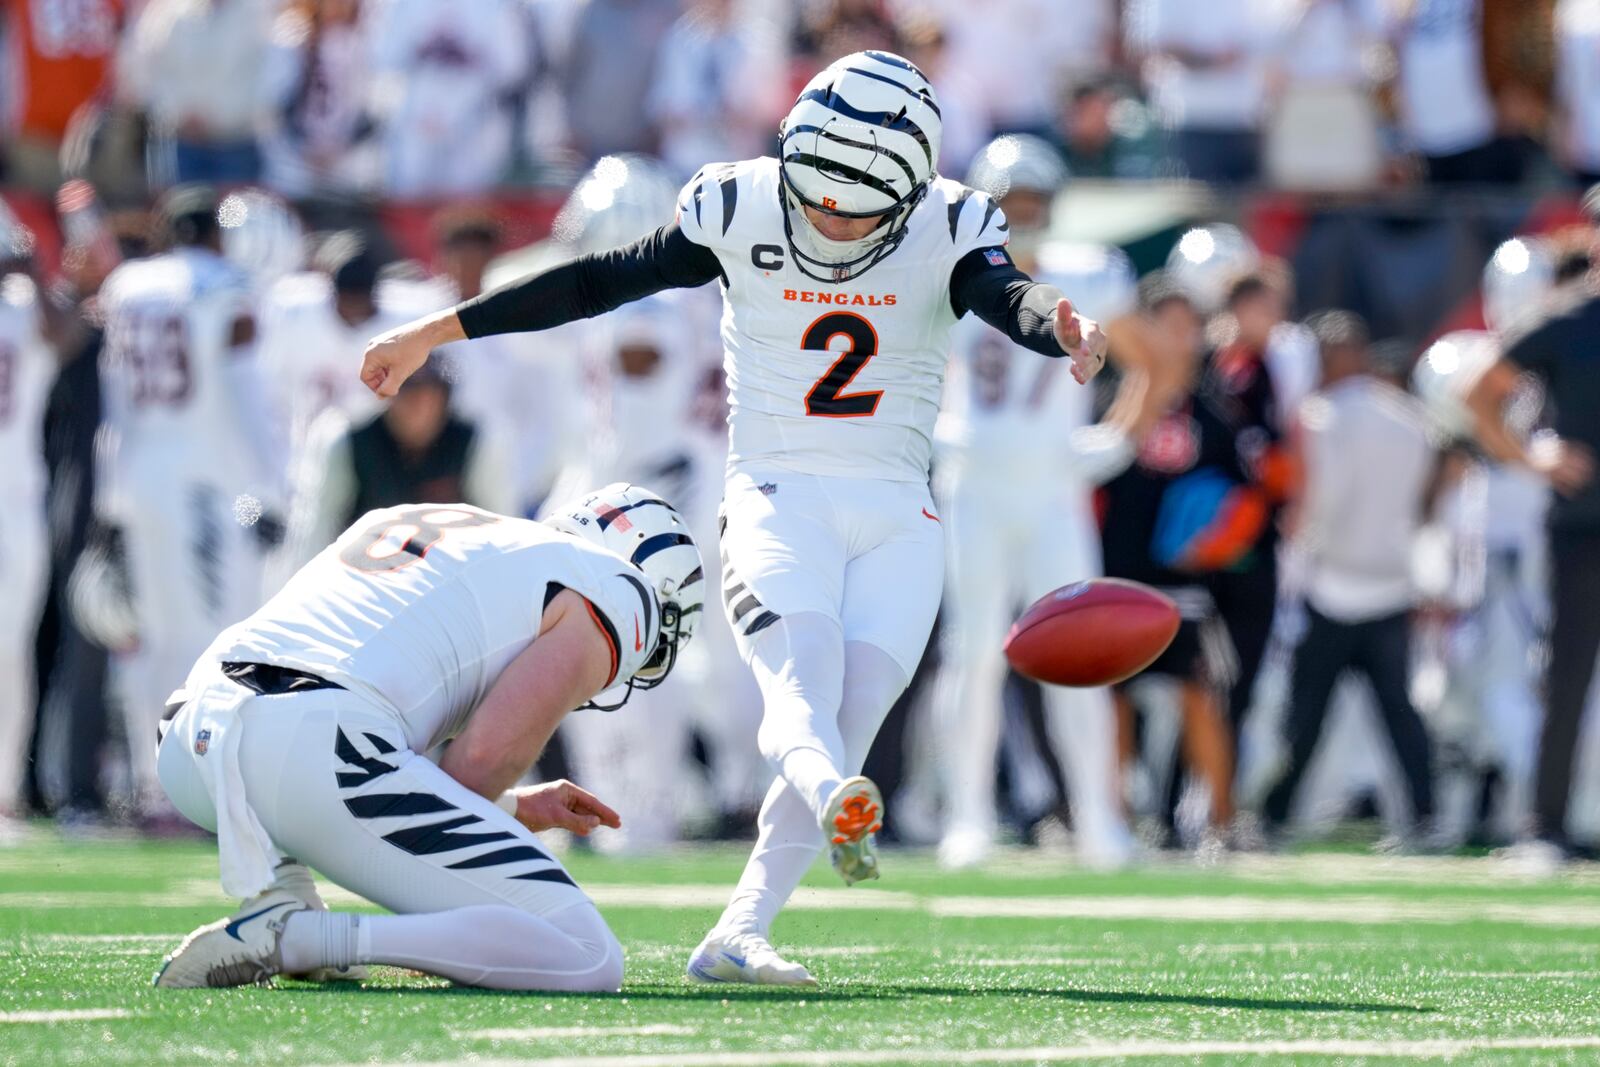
(716, 895)
(1425, 1048)
(63, 1016)
(1246, 909)
(546, 1033)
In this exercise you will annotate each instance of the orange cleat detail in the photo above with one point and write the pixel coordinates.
(859, 818)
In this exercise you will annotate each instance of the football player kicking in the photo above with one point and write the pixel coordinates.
(843, 264)
(302, 731)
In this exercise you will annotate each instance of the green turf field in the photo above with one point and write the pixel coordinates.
(1318, 958)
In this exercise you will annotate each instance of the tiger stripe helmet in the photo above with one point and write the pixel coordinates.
(637, 524)
(861, 141)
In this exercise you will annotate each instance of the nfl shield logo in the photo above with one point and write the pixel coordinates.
(768, 488)
(995, 256)
(202, 741)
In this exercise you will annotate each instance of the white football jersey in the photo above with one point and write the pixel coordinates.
(169, 321)
(833, 379)
(1010, 411)
(26, 370)
(421, 607)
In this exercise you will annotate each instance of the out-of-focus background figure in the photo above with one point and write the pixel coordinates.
(208, 207)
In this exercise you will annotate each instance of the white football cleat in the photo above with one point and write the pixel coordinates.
(961, 849)
(854, 813)
(241, 950)
(747, 958)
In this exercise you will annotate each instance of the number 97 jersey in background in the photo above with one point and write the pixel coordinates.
(833, 379)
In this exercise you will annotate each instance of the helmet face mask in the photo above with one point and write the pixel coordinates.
(648, 533)
(860, 142)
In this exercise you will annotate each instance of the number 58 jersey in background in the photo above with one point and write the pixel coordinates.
(169, 322)
(841, 378)
(421, 607)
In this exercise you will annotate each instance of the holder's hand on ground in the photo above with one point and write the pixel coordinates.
(393, 357)
(1082, 339)
(564, 805)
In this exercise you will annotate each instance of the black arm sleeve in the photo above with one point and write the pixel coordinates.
(591, 285)
(1006, 299)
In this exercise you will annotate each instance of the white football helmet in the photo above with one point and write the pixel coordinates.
(1446, 372)
(1208, 259)
(1017, 161)
(645, 530)
(621, 199)
(1517, 278)
(261, 235)
(861, 141)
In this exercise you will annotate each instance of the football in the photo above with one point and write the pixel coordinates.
(1092, 633)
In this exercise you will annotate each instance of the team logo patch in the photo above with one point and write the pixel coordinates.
(768, 488)
(995, 256)
(202, 741)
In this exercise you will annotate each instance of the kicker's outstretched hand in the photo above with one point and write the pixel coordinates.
(1082, 339)
(393, 357)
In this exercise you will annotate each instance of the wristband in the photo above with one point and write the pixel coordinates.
(507, 802)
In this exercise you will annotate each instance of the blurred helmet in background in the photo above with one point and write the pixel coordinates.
(621, 199)
(1516, 280)
(1025, 172)
(1446, 372)
(1017, 161)
(1207, 260)
(261, 235)
(862, 140)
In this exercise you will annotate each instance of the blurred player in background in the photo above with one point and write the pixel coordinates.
(1016, 503)
(1494, 514)
(27, 367)
(418, 449)
(649, 409)
(185, 455)
(843, 265)
(1556, 347)
(302, 733)
(1185, 509)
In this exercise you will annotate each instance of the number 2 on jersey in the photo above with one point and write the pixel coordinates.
(406, 538)
(827, 397)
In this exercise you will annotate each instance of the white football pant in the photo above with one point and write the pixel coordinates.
(831, 585)
(24, 572)
(479, 898)
(194, 571)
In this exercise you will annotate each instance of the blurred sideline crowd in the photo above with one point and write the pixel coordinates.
(1365, 587)
(421, 98)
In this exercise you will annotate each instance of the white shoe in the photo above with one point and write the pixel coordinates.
(961, 850)
(294, 877)
(748, 958)
(854, 813)
(241, 950)
(1533, 858)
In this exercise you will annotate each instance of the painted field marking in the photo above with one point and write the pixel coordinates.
(1425, 1048)
(547, 1033)
(64, 1016)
